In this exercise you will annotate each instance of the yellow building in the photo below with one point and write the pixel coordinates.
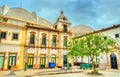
(27, 38)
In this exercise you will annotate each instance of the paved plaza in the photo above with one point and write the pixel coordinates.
(56, 72)
(105, 74)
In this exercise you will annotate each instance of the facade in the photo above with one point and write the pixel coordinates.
(29, 39)
(112, 60)
(26, 39)
(109, 60)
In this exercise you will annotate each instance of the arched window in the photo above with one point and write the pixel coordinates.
(56, 27)
(65, 28)
(32, 39)
(43, 40)
(54, 41)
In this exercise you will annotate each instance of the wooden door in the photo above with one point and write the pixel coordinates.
(1, 61)
(65, 60)
(53, 59)
(113, 59)
(12, 61)
(42, 60)
(30, 61)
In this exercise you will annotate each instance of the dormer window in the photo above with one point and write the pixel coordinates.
(65, 28)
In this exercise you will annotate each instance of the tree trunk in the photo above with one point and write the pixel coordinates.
(107, 60)
(71, 62)
(94, 68)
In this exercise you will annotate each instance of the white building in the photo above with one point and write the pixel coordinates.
(109, 60)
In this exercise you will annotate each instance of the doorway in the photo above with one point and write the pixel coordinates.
(1, 61)
(65, 60)
(53, 58)
(12, 61)
(30, 60)
(113, 60)
(42, 60)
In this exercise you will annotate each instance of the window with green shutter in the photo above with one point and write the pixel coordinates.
(3, 35)
(32, 39)
(65, 28)
(43, 40)
(54, 41)
(65, 42)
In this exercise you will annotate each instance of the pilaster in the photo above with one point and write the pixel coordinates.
(59, 49)
(22, 48)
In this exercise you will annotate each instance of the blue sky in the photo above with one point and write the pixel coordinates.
(97, 14)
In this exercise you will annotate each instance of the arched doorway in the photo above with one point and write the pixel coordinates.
(113, 60)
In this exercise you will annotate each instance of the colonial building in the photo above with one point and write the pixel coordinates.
(29, 39)
(109, 60)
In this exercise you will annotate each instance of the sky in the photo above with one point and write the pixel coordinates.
(97, 14)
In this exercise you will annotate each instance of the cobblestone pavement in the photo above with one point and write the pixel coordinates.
(32, 72)
(57, 72)
(105, 74)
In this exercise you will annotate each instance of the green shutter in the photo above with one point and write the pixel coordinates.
(12, 61)
(44, 40)
(53, 59)
(65, 41)
(30, 61)
(65, 60)
(54, 41)
(42, 61)
(32, 39)
(1, 61)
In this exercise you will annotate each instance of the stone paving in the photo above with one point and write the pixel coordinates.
(56, 72)
(31, 72)
(105, 74)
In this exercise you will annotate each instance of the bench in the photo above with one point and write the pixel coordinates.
(85, 66)
(67, 65)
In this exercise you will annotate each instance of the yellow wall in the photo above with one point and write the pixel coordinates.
(5, 65)
(22, 49)
(59, 50)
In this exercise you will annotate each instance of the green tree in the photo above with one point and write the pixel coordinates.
(91, 45)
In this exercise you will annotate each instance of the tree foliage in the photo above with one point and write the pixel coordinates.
(91, 45)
